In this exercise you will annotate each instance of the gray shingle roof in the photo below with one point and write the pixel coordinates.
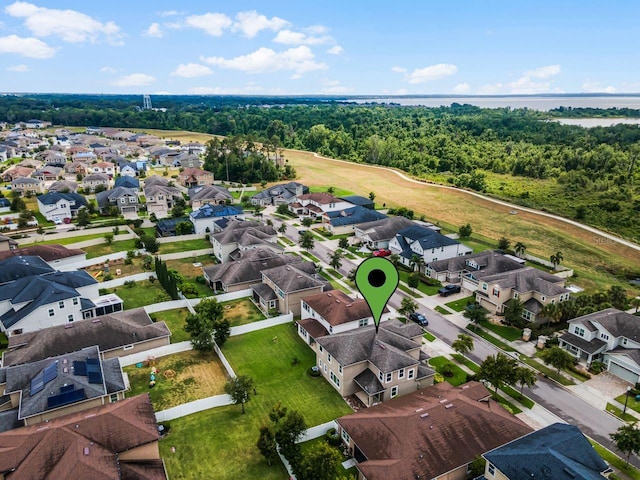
(368, 381)
(587, 346)
(22, 266)
(209, 192)
(528, 279)
(616, 322)
(489, 263)
(353, 216)
(295, 277)
(426, 237)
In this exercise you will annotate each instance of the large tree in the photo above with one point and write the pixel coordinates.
(463, 344)
(267, 444)
(627, 439)
(306, 240)
(519, 248)
(207, 325)
(556, 259)
(475, 313)
(239, 389)
(319, 463)
(289, 431)
(513, 312)
(335, 259)
(498, 370)
(407, 306)
(557, 357)
(525, 377)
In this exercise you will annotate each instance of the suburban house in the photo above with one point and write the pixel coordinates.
(110, 442)
(284, 193)
(377, 234)
(161, 198)
(50, 388)
(85, 157)
(533, 287)
(106, 168)
(345, 221)
(558, 451)
(317, 204)
(359, 201)
(430, 433)
(204, 217)
(468, 270)
(117, 334)
(427, 244)
(35, 296)
(34, 123)
(64, 186)
(47, 173)
(75, 167)
(246, 271)
(193, 177)
(610, 336)
(374, 367)
(187, 160)
(126, 168)
(126, 199)
(168, 227)
(7, 244)
(333, 312)
(156, 180)
(93, 180)
(282, 287)
(212, 194)
(25, 186)
(127, 181)
(239, 236)
(57, 256)
(58, 206)
(17, 172)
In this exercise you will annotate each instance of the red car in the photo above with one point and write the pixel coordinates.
(383, 252)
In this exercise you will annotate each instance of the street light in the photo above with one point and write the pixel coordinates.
(626, 399)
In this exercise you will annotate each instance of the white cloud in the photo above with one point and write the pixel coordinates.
(397, 69)
(543, 72)
(316, 29)
(251, 22)
(18, 68)
(299, 60)
(334, 87)
(462, 88)
(134, 80)
(247, 89)
(169, 13)
(153, 31)
(70, 25)
(27, 47)
(191, 70)
(336, 50)
(108, 70)
(596, 87)
(289, 37)
(433, 72)
(213, 24)
(523, 86)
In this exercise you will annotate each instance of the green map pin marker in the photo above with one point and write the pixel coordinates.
(377, 279)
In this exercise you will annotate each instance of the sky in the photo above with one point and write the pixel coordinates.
(305, 47)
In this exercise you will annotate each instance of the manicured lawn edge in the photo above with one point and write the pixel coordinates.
(614, 460)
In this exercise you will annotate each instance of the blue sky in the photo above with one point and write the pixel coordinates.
(320, 47)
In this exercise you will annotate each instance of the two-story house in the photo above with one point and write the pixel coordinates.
(533, 287)
(161, 198)
(340, 222)
(378, 234)
(375, 367)
(316, 204)
(17, 172)
(470, 269)
(212, 194)
(126, 199)
(94, 180)
(106, 168)
(127, 181)
(193, 177)
(611, 336)
(239, 236)
(427, 244)
(48, 173)
(332, 312)
(204, 217)
(284, 193)
(64, 186)
(58, 206)
(27, 186)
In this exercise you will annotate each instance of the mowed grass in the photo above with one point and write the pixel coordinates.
(108, 249)
(184, 246)
(141, 294)
(508, 333)
(459, 376)
(64, 240)
(241, 312)
(175, 320)
(220, 443)
(460, 305)
(182, 377)
(185, 267)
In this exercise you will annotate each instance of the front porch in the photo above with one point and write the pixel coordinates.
(582, 349)
(372, 391)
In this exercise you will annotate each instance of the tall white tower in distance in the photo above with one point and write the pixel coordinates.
(146, 102)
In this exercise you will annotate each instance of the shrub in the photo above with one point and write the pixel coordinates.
(333, 438)
(596, 367)
(201, 280)
(129, 284)
(108, 276)
(314, 372)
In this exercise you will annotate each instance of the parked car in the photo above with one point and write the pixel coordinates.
(419, 318)
(382, 252)
(302, 232)
(448, 290)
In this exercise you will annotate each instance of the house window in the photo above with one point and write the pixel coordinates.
(491, 469)
(515, 294)
(496, 292)
(123, 200)
(113, 397)
(624, 341)
(75, 301)
(70, 317)
(380, 376)
(320, 348)
(61, 304)
(410, 374)
(400, 373)
(363, 322)
(305, 306)
(325, 368)
(389, 377)
(345, 436)
(543, 298)
(340, 369)
(17, 331)
(604, 336)
(394, 391)
(330, 329)
(485, 287)
(335, 379)
(579, 331)
(328, 357)
(127, 347)
(51, 313)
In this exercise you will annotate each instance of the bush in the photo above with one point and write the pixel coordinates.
(108, 276)
(314, 372)
(201, 280)
(103, 291)
(129, 284)
(596, 367)
(189, 289)
(333, 438)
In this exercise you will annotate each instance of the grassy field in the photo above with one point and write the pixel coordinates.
(459, 376)
(63, 241)
(441, 310)
(627, 471)
(175, 320)
(422, 287)
(141, 294)
(181, 378)
(185, 267)
(107, 249)
(184, 245)
(220, 443)
(490, 338)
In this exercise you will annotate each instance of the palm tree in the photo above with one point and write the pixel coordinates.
(556, 259)
(282, 229)
(335, 259)
(552, 312)
(395, 259)
(416, 262)
(519, 248)
(525, 376)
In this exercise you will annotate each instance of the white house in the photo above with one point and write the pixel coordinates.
(427, 244)
(316, 204)
(58, 206)
(204, 218)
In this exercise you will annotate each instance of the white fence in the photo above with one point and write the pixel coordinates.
(117, 282)
(225, 362)
(193, 407)
(269, 322)
(155, 352)
(92, 261)
(162, 306)
(100, 241)
(72, 233)
(188, 253)
(180, 238)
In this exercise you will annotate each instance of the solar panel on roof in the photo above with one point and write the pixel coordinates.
(37, 384)
(50, 372)
(66, 398)
(67, 388)
(79, 368)
(95, 377)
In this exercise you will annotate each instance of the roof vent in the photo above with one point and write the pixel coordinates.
(449, 405)
(69, 325)
(97, 320)
(424, 415)
(337, 301)
(381, 346)
(329, 295)
(419, 409)
(86, 451)
(444, 400)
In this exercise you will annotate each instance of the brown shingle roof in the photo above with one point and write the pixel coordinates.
(336, 307)
(83, 445)
(319, 197)
(48, 253)
(435, 437)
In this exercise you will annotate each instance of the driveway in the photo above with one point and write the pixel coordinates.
(600, 389)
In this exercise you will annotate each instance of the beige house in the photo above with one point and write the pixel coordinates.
(374, 367)
(193, 177)
(533, 287)
(161, 198)
(93, 180)
(26, 186)
(239, 236)
(7, 243)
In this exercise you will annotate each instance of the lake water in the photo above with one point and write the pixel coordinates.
(532, 102)
(598, 122)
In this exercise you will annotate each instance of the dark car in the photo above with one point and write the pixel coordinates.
(448, 290)
(419, 318)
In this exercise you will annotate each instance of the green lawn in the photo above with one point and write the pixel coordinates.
(618, 413)
(547, 371)
(220, 443)
(632, 403)
(340, 472)
(615, 461)
(65, 240)
(184, 246)
(506, 403)
(285, 240)
(337, 191)
(428, 336)
(422, 287)
(466, 362)
(334, 273)
(490, 338)
(175, 320)
(309, 256)
(184, 266)
(508, 333)
(459, 376)
(441, 310)
(460, 305)
(241, 311)
(106, 249)
(141, 294)
(409, 291)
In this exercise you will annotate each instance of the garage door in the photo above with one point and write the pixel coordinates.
(623, 373)
(129, 210)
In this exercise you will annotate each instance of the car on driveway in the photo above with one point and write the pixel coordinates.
(449, 290)
(383, 252)
(419, 318)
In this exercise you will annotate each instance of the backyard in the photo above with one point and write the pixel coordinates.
(241, 312)
(175, 320)
(140, 294)
(181, 378)
(204, 449)
(189, 271)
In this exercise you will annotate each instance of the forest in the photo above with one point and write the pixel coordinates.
(586, 174)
